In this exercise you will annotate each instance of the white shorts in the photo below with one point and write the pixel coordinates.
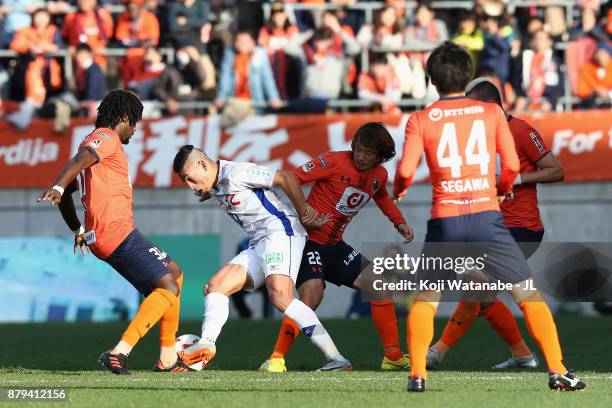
(277, 253)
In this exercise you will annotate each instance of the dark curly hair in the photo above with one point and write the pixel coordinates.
(117, 106)
(375, 136)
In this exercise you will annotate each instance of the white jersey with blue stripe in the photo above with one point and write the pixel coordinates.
(244, 191)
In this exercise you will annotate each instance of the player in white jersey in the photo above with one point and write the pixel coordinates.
(277, 239)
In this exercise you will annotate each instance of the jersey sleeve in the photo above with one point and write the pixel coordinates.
(507, 154)
(251, 176)
(101, 144)
(411, 154)
(320, 168)
(386, 205)
(532, 144)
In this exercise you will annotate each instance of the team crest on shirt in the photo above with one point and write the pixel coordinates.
(308, 166)
(375, 185)
(95, 143)
(536, 141)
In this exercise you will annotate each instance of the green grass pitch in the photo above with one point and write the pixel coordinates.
(65, 355)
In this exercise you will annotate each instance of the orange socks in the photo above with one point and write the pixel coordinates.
(286, 336)
(461, 320)
(503, 322)
(149, 312)
(383, 315)
(542, 327)
(420, 335)
(169, 322)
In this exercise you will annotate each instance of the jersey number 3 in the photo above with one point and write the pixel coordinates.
(475, 149)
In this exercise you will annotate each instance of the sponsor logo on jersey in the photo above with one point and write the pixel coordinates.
(308, 166)
(375, 185)
(95, 143)
(105, 135)
(536, 141)
(258, 171)
(436, 113)
(352, 201)
(322, 161)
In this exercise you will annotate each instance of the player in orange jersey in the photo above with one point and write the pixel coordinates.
(344, 182)
(460, 138)
(522, 217)
(101, 168)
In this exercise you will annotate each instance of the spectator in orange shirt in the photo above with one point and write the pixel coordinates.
(380, 85)
(274, 37)
(595, 79)
(33, 43)
(136, 29)
(91, 25)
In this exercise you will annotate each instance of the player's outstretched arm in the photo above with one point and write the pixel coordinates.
(309, 217)
(82, 160)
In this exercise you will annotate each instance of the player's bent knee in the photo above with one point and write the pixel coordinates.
(229, 280)
(168, 282)
(280, 298)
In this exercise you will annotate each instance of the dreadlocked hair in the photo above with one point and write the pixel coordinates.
(118, 106)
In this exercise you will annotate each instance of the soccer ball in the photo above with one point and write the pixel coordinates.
(184, 341)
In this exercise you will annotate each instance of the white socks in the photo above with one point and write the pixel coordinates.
(216, 312)
(312, 327)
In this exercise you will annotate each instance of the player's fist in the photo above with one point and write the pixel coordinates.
(50, 195)
(406, 231)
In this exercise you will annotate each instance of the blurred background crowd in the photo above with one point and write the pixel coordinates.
(59, 58)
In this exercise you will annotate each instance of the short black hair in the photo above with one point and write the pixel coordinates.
(181, 158)
(322, 34)
(485, 91)
(374, 135)
(450, 68)
(84, 47)
(117, 106)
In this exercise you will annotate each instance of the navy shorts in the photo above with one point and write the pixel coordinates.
(528, 240)
(140, 262)
(482, 235)
(339, 264)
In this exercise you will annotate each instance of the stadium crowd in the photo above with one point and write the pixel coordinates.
(59, 58)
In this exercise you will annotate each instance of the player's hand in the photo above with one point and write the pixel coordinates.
(50, 195)
(312, 219)
(406, 231)
(501, 199)
(81, 242)
(397, 199)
